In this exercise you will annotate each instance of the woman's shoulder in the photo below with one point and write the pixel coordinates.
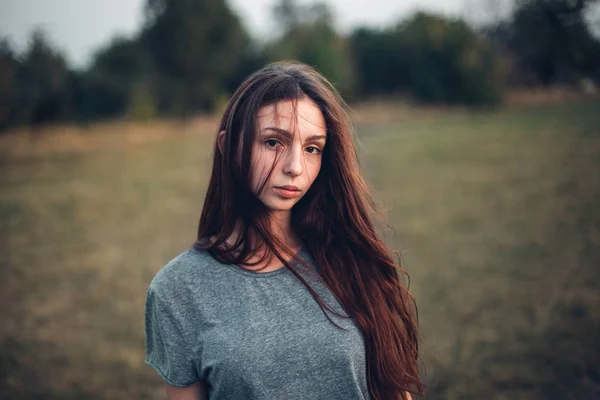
(191, 266)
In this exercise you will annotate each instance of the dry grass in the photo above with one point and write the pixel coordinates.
(69, 139)
(548, 96)
(498, 217)
(496, 213)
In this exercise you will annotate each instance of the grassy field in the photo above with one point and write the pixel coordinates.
(497, 215)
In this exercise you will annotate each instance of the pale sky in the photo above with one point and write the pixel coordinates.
(78, 27)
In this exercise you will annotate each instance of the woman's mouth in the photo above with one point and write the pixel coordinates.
(289, 192)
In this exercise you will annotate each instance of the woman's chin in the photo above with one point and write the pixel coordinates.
(280, 205)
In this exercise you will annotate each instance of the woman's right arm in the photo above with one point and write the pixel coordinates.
(196, 391)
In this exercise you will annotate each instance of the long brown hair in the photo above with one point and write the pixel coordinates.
(333, 220)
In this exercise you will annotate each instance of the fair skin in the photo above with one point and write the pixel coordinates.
(196, 391)
(300, 139)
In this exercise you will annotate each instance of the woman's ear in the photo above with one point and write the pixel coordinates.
(220, 139)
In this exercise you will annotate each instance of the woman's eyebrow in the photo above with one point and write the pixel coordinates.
(289, 134)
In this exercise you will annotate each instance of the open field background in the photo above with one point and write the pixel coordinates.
(497, 214)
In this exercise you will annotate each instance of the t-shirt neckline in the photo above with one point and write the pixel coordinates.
(282, 270)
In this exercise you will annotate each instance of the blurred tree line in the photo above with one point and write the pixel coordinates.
(190, 55)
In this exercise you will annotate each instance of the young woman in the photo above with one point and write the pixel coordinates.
(288, 292)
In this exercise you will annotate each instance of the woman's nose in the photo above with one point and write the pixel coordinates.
(292, 163)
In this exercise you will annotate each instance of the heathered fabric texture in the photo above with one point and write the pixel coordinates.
(250, 335)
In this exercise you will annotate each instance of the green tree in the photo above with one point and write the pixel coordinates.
(43, 82)
(551, 38)
(142, 104)
(380, 67)
(9, 67)
(447, 61)
(120, 73)
(308, 36)
(431, 58)
(196, 47)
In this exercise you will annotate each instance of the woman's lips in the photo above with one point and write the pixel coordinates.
(287, 193)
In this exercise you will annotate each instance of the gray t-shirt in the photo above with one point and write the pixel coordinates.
(250, 335)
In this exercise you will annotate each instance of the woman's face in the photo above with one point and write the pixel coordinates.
(292, 140)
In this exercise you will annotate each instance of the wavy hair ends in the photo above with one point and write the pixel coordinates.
(333, 219)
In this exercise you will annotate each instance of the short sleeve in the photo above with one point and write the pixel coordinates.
(166, 348)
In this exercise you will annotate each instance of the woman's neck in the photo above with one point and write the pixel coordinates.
(280, 228)
(280, 231)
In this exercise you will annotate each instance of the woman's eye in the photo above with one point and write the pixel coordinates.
(271, 143)
(315, 150)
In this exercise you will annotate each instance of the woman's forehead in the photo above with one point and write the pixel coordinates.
(289, 115)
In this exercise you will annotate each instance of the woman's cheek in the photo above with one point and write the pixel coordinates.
(314, 171)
